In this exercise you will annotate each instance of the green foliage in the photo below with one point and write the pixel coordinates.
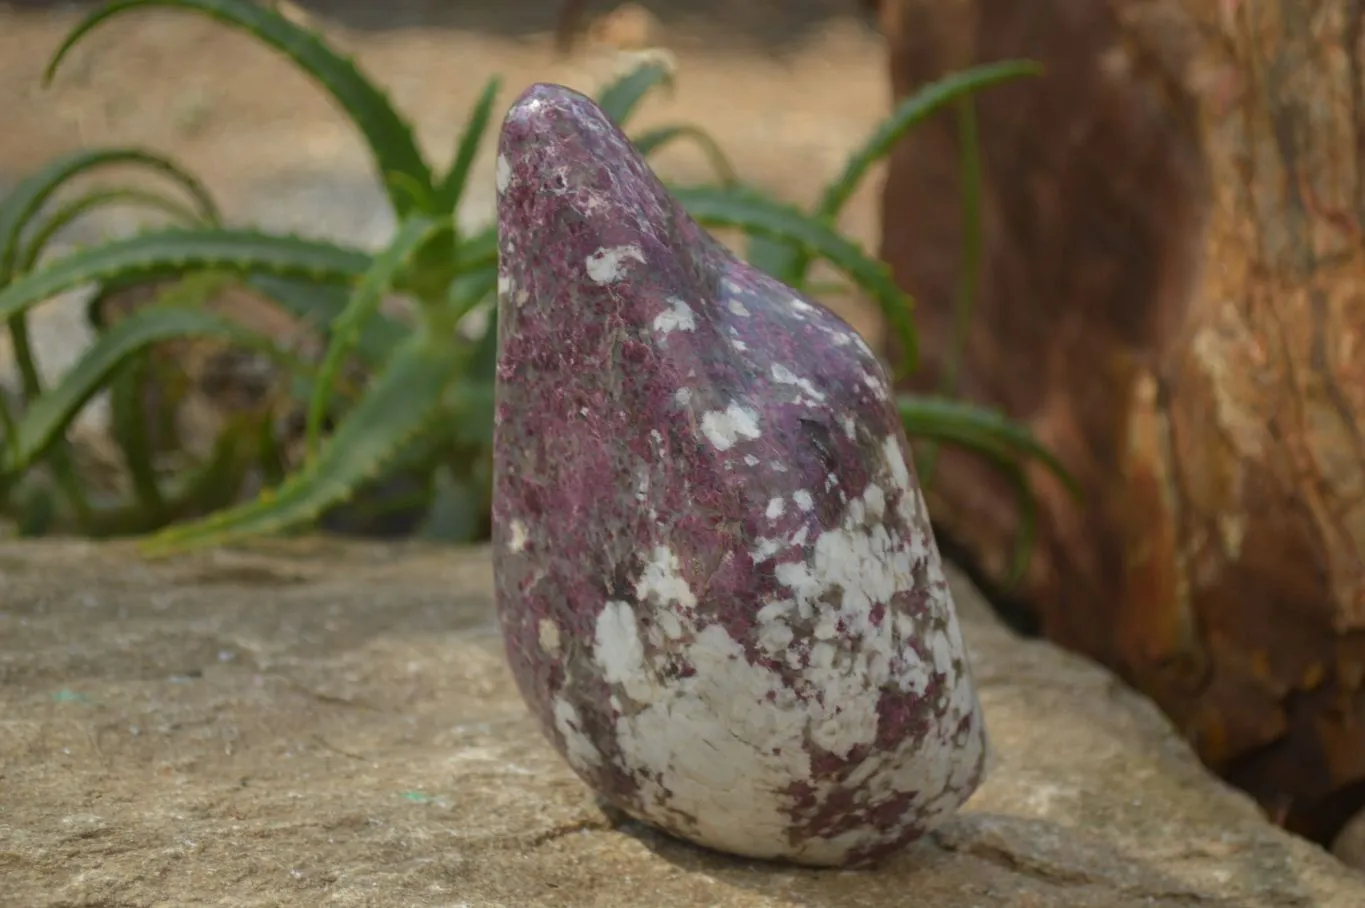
(620, 99)
(383, 272)
(405, 173)
(968, 278)
(383, 402)
(1005, 444)
(788, 261)
(396, 407)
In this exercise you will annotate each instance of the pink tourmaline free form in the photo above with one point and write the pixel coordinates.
(716, 580)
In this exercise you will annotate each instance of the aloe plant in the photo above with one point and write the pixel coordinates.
(426, 408)
(339, 288)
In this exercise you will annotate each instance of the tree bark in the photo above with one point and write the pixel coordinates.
(1172, 298)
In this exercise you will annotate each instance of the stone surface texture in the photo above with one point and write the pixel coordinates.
(718, 584)
(315, 723)
(1349, 844)
(1172, 299)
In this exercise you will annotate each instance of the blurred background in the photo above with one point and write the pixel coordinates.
(787, 89)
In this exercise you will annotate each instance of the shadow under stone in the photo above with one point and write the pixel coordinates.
(997, 859)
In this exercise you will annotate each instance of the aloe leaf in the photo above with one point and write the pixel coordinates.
(451, 188)
(479, 251)
(10, 438)
(956, 422)
(272, 458)
(470, 400)
(431, 267)
(175, 251)
(391, 141)
(20, 206)
(484, 362)
(720, 207)
(17, 210)
(311, 302)
(206, 487)
(37, 513)
(395, 407)
(999, 440)
(619, 99)
(319, 305)
(129, 429)
(970, 272)
(1028, 521)
(192, 289)
(471, 405)
(50, 414)
(907, 114)
(477, 280)
(780, 258)
(100, 198)
(467, 293)
(454, 514)
(1027, 502)
(970, 278)
(364, 303)
(217, 482)
(652, 140)
(824, 289)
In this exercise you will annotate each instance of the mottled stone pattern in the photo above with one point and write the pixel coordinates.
(716, 579)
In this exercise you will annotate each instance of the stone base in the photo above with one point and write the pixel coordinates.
(322, 723)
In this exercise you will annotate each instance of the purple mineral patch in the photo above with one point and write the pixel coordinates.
(716, 579)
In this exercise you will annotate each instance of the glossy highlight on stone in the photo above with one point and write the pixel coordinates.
(716, 579)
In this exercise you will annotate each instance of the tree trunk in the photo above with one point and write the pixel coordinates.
(1172, 295)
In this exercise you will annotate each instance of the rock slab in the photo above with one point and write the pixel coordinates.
(317, 723)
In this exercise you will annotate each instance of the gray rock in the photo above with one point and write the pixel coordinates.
(318, 723)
